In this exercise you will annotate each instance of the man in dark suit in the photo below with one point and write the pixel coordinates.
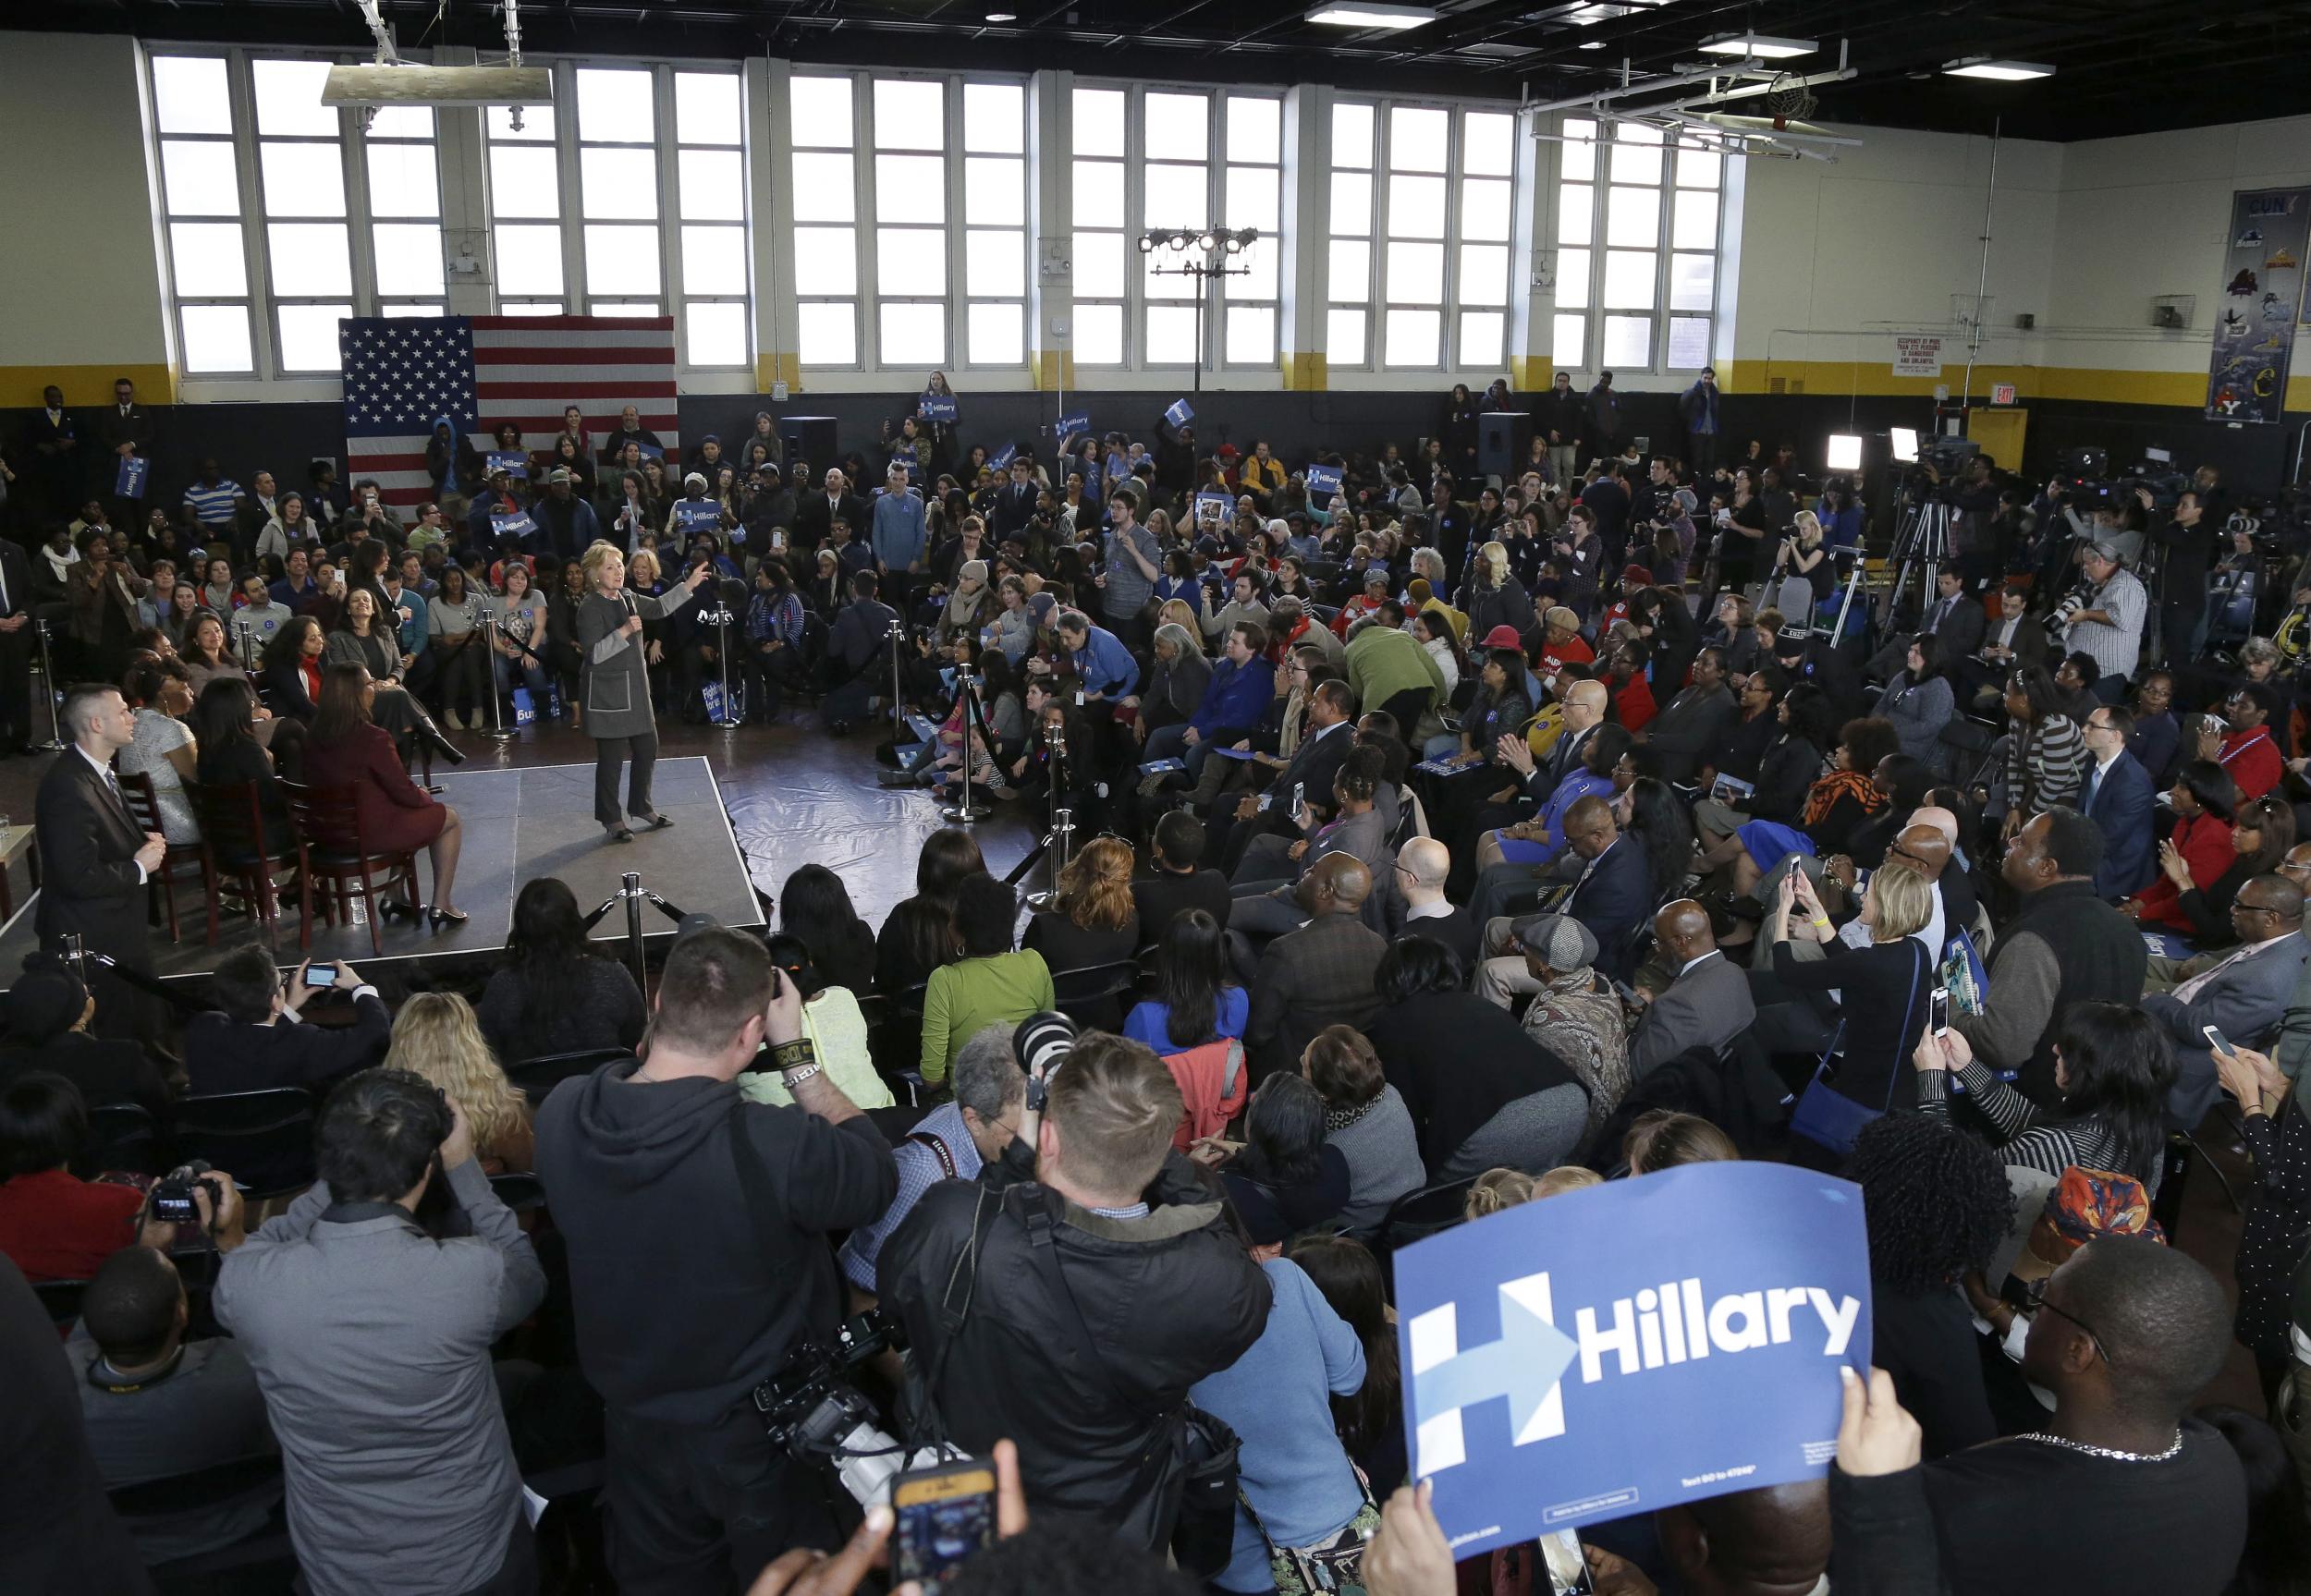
(94, 858)
(816, 513)
(259, 1042)
(2016, 641)
(1707, 1003)
(16, 634)
(1318, 975)
(127, 431)
(1954, 618)
(1613, 898)
(2118, 799)
(1694, 722)
(1324, 748)
(2244, 995)
(1015, 502)
(53, 446)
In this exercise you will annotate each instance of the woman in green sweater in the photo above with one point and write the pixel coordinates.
(989, 985)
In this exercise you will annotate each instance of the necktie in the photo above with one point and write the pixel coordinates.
(2094, 785)
(2191, 989)
(112, 784)
(1941, 613)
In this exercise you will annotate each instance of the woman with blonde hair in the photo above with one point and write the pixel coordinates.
(1092, 919)
(1496, 598)
(617, 688)
(437, 1035)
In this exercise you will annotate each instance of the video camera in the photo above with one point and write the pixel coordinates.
(2084, 478)
(815, 1414)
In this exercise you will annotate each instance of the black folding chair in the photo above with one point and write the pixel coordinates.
(257, 1479)
(61, 1298)
(264, 1139)
(122, 1136)
(518, 1190)
(1093, 996)
(1418, 1215)
(537, 1076)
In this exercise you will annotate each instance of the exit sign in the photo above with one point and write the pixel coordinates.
(2001, 393)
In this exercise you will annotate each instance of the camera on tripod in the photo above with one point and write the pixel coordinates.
(815, 1413)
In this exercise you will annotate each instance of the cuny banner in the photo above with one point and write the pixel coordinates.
(1631, 1347)
(404, 374)
(2260, 302)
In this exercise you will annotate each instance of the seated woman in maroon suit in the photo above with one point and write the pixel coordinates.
(347, 749)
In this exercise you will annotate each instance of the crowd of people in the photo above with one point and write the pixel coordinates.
(1447, 845)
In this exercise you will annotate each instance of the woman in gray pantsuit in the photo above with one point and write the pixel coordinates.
(617, 685)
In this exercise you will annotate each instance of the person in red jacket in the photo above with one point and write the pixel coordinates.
(54, 1226)
(2205, 799)
(346, 749)
(2250, 752)
(1625, 679)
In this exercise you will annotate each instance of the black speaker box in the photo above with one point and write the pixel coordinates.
(809, 439)
(1503, 439)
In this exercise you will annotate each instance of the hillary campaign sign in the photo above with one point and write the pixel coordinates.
(129, 481)
(1324, 482)
(936, 407)
(1181, 413)
(1619, 1349)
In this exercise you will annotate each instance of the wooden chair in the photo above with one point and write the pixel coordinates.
(330, 846)
(145, 807)
(233, 850)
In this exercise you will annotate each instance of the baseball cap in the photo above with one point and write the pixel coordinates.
(558, 474)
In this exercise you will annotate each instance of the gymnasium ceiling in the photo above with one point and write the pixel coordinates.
(2122, 66)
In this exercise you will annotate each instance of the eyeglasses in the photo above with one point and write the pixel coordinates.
(2239, 907)
(2035, 1294)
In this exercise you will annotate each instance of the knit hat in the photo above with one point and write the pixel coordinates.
(973, 571)
(1419, 591)
(1377, 574)
(1502, 637)
(697, 476)
(1558, 940)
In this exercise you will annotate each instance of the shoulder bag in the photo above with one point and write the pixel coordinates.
(1333, 1567)
(1828, 1117)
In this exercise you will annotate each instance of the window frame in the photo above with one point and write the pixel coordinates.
(1661, 315)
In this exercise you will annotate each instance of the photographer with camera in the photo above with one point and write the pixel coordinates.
(1090, 1241)
(697, 1227)
(372, 1342)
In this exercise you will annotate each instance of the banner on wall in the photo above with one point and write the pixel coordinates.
(2261, 299)
(1917, 355)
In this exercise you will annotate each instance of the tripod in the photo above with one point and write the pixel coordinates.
(719, 617)
(1845, 605)
(497, 726)
(897, 636)
(1921, 546)
(966, 808)
(633, 894)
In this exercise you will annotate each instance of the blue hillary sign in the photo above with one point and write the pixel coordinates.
(1324, 482)
(936, 407)
(1181, 413)
(1001, 460)
(1212, 509)
(698, 515)
(1631, 1347)
(1075, 426)
(512, 523)
(513, 462)
(129, 483)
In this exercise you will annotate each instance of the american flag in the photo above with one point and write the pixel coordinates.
(402, 373)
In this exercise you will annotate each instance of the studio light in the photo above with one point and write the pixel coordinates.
(1148, 242)
(1996, 71)
(1845, 452)
(1905, 442)
(1208, 241)
(1370, 14)
(1181, 239)
(1763, 46)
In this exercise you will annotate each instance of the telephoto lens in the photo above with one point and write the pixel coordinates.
(1042, 1041)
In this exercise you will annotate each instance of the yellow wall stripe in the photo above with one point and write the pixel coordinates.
(21, 385)
(2083, 384)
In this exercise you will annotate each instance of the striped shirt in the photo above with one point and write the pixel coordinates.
(2045, 764)
(2031, 1139)
(213, 507)
(2116, 645)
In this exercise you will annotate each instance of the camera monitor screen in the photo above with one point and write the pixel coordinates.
(1905, 444)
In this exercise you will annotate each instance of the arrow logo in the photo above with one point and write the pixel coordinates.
(1523, 1367)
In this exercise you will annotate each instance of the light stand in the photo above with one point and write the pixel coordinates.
(965, 808)
(1922, 545)
(1212, 248)
(48, 686)
(719, 617)
(497, 727)
(897, 636)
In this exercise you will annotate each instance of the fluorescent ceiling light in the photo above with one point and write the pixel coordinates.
(1845, 452)
(1371, 14)
(1998, 71)
(1763, 46)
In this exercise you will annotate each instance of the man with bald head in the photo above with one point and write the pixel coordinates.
(2244, 996)
(1419, 907)
(1318, 975)
(1707, 1004)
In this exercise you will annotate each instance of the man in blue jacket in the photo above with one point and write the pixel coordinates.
(1105, 670)
(2118, 799)
(897, 536)
(1242, 686)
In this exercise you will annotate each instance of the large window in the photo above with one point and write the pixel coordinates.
(618, 190)
(525, 190)
(1100, 247)
(710, 198)
(200, 194)
(285, 215)
(1636, 249)
(1419, 249)
(943, 259)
